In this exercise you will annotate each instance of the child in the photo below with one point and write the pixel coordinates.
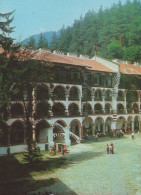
(107, 147)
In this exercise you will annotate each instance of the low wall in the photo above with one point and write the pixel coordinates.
(13, 149)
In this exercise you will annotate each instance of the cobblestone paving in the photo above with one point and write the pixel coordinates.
(90, 171)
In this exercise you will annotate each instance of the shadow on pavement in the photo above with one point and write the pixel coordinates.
(31, 186)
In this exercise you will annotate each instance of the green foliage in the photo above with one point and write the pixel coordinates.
(43, 43)
(34, 154)
(31, 43)
(114, 49)
(132, 53)
(110, 33)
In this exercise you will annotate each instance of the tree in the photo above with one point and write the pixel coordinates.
(54, 42)
(43, 43)
(19, 74)
(31, 43)
(8, 66)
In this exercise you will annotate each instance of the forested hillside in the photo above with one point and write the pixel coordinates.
(110, 33)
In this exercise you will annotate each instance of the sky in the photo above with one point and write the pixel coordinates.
(36, 16)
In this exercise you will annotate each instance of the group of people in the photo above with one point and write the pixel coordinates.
(61, 149)
(110, 148)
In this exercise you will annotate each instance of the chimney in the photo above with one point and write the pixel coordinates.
(71, 54)
(84, 56)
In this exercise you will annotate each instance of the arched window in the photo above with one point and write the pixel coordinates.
(42, 92)
(73, 110)
(98, 109)
(87, 109)
(98, 95)
(59, 93)
(58, 110)
(42, 110)
(73, 94)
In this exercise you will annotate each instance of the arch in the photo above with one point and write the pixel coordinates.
(86, 94)
(98, 109)
(58, 129)
(17, 110)
(75, 127)
(61, 122)
(121, 122)
(73, 109)
(41, 131)
(98, 95)
(99, 121)
(120, 109)
(58, 138)
(42, 110)
(58, 109)
(108, 95)
(132, 96)
(17, 133)
(42, 92)
(135, 108)
(59, 93)
(74, 94)
(4, 133)
(108, 124)
(136, 123)
(120, 96)
(87, 108)
(87, 126)
(129, 108)
(108, 108)
(73, 139)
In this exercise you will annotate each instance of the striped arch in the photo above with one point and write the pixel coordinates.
(87, 108)
(73, 109)
(17, 132)
(75, 127)
(74, 92)
(58, 109)
(59, 92)
(58, 138)
(15, 121)
(60, 122)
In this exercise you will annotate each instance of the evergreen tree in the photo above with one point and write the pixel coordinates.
(117, 28)
(43, 43)
(54, 43)
(31, 43)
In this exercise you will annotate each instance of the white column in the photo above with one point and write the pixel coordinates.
(67, 137)
(50, 136)
(132, 125)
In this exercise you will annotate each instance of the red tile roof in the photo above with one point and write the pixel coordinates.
(76, 61)
(130, 69)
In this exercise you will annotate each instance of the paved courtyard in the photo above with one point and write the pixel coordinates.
(90, 171)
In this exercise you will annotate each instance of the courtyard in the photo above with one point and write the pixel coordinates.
(89, 170)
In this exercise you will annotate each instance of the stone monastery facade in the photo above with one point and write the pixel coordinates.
(92, 95)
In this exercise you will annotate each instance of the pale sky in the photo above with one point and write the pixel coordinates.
(36, 16)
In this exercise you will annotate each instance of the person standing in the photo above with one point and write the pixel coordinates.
(62, 149)
(132, 134)
(107, 147)
(112, 148)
